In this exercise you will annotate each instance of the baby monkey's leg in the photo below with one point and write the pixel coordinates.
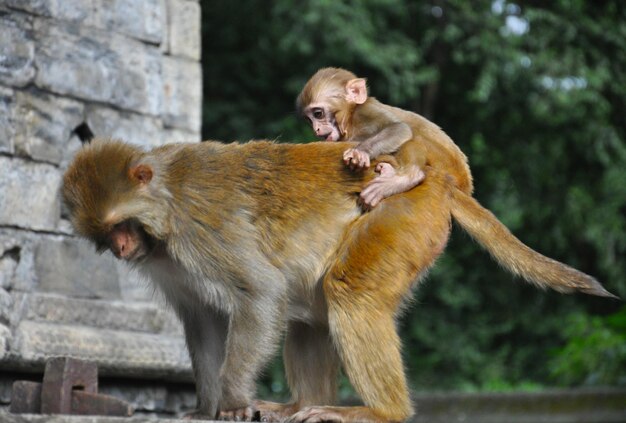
(411, 162)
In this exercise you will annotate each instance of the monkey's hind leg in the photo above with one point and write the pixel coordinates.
(395, 177)
(382, 255)
(312, 367)
(312, 364)
(370, 351)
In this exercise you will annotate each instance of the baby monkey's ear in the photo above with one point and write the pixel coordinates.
(356, 91)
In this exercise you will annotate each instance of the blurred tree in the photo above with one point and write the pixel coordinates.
(534, 93)
(595, 353)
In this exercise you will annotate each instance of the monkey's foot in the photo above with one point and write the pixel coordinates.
(335, 415)
(389, 183)
(385, 169)
(274, 411)
(244, 414)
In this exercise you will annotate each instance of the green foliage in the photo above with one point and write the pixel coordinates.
(533, 92)
(595, 352)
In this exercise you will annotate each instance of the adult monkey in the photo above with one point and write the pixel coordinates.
(244, 239)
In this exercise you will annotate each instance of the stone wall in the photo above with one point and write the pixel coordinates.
(126, 69)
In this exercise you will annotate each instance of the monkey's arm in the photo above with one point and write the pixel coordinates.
(205, 333)
(386, 141)
(254, 331)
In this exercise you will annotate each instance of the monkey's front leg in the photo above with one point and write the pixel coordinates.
(205, 333)
(254, 331)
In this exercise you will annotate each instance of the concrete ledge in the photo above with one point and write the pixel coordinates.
(560, 406)
(566, 406)
(32, 418)
(117, 353)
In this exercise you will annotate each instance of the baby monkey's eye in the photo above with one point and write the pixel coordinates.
(318, 113)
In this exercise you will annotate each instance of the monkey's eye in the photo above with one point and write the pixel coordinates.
(318, 113)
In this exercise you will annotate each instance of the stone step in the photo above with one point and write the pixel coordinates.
(114, 315)
(117, 352)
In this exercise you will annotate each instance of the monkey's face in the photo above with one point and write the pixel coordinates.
(104, 189)
(322, 120)
(129, 241)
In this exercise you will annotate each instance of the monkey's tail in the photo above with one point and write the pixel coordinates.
(514, 255)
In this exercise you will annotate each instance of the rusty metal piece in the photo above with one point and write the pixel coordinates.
(25, 397)
(62, 376)
(89, 404)
(70, 386)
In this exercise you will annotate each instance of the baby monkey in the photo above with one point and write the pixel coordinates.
(337, 105)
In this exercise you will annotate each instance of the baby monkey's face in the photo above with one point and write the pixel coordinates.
(323, 122)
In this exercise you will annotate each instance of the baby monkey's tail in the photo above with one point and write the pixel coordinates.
(514, 255)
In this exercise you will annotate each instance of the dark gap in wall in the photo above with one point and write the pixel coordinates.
(83, 131)
(13, 253)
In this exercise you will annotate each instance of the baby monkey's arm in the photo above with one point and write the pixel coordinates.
(387, 140)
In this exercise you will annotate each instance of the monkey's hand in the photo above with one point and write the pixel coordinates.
(356, 159)
(388, 183)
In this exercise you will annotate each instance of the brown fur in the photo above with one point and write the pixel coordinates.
(430, 145)
(247, 239)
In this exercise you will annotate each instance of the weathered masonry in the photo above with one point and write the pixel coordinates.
(126, 69)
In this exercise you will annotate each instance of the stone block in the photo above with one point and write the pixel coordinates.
(71, 267)
(29, 194)
(12, 257)
(139, 19)
(98, 66)
(17, 49)
(142, 130)
(118, 353)
(71, 148)
(7, 270)
(171, 135)
(182, 94)
(43, 124)
(6, 125)
(171, 324)
(6, 306)
(6, 382)
(138, 317)
(57, 264)
(5, 346)
(141, 397)
(130, 127)
(133, 286)
(66, 10)
(184, 29)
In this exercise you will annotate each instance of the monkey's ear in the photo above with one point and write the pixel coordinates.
(356, 91)
(141, 173)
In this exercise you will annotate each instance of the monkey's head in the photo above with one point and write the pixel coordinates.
(107, 192)
(328, 100)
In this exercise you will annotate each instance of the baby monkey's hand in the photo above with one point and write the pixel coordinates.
(356, 159)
